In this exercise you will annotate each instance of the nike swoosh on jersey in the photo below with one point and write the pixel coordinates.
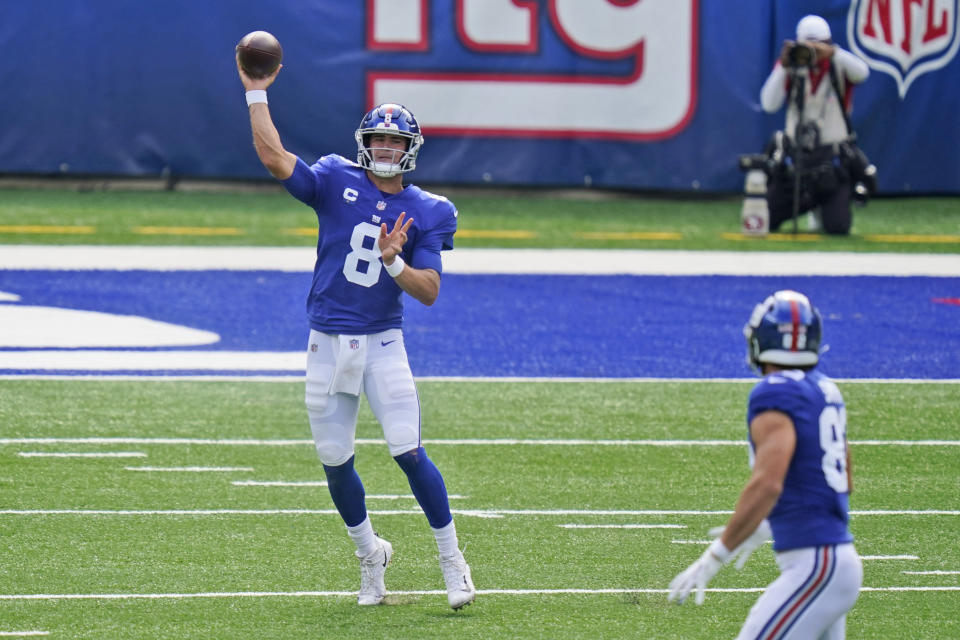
(383, 344)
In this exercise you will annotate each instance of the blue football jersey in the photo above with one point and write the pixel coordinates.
(813, 508)
(351, 290)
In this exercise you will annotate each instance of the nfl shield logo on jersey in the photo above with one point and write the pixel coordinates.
(904, 39)
(354, 344)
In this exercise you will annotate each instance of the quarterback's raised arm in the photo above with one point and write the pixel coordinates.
(266, 139)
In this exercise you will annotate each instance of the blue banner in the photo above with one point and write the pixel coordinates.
(652, 94)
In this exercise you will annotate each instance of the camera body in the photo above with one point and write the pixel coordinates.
(801, 54)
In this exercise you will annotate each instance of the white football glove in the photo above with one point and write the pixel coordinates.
(699, 574)
(759, 537)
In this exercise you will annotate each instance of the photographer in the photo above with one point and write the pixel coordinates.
(818, 77)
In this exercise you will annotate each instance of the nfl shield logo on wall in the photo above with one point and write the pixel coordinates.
(904, 39)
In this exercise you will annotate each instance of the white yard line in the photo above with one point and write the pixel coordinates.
(189, 469)
(622, 526)
(160, 441)
(483, 442)
(488, 261)
(276, 483)
(905, 512)
(351, 594)
(903, 557)
(65, 454)
(480, 513)
(931, 573)
(394, 496)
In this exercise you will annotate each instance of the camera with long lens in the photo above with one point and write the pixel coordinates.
(801, 55)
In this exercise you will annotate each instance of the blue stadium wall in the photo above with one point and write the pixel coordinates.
(623, 94)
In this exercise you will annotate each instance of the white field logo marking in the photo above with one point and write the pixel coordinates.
(54, 327)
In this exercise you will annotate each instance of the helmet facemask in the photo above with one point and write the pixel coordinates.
(403, 160)
(388, 119)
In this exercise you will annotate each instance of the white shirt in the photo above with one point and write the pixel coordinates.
(821, 103)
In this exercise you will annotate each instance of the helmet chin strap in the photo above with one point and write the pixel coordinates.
(385, 169)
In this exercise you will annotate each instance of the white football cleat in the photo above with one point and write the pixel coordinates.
(456, 574)
(372, 568)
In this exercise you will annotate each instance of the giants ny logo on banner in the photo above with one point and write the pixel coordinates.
(654, 101)
(904, 38)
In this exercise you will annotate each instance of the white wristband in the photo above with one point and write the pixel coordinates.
(720, 551)
(255, 96)
(395, 268)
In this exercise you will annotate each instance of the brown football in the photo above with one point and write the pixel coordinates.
(259, 53)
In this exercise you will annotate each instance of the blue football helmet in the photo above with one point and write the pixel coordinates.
(393, 119)
(784, 330)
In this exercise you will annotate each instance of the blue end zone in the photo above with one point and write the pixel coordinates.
(550, 326)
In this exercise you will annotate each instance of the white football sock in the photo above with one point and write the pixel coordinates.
(446, 540)
(363, 536)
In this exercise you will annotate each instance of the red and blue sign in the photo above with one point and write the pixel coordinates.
(622, 94)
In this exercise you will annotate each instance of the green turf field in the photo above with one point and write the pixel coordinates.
(273, 218)
(92, 549)
(121, 565)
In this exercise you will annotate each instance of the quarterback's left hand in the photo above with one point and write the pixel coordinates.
(391, 243)
(699, 574)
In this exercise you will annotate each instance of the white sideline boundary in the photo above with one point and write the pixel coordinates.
(494, 261)
(434, 592)
(533, 379)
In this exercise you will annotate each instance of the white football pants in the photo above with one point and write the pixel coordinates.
(810, 600)
(387, 383)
